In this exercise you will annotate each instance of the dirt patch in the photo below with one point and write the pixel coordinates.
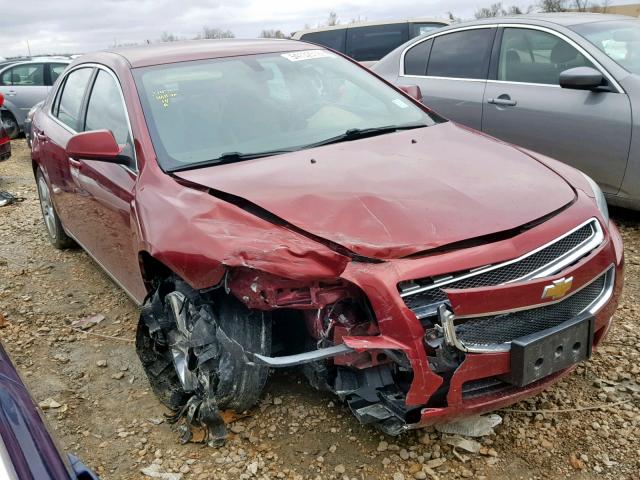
(110, 418)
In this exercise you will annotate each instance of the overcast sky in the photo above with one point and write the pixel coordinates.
(77, 26)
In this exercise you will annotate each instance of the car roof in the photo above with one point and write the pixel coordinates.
(371, 24)
(171, 52)
(560, 18)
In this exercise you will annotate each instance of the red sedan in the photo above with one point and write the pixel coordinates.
(270, 204)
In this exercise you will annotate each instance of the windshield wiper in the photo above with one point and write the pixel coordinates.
(358, 133)
(230, 157)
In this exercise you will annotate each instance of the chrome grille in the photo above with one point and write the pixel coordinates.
(423, 296)
(503, 328)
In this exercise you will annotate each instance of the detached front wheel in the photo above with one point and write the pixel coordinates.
(196, 351)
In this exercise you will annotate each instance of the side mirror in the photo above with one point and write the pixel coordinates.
(412, 90)
(96, 145)
(582, 78)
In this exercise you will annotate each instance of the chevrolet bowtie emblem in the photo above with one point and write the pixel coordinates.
(557, 289)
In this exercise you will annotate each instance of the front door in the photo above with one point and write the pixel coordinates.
(526, 106)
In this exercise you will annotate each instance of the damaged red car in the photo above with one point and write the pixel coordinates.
(272, 204)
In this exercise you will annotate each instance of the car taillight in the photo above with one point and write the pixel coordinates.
(4, 138)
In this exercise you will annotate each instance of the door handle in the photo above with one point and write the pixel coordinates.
(503, 102)
(74, 163)
(11, 93)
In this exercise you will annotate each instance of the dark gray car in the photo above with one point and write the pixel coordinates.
(24, 84)
(565, 85)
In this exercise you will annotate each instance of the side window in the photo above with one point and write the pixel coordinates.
(69, 103)
(532, 56)
(462, 54)
(415, 60)
(105, 109)
(335, 39)
(374, 42)
(55, 70)
(28, 75)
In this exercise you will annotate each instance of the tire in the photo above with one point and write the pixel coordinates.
(10, 125)
(53, 226)
(217, 331)
(252, 330)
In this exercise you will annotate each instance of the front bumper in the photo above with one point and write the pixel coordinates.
(477, 385)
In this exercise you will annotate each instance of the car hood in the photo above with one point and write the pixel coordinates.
(398, 194)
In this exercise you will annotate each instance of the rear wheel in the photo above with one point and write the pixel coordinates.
(55, 232)
(10, 125)
(196, 353)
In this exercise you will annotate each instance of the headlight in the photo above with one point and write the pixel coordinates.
(601, 201)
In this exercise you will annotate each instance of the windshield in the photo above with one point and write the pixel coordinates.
(619, 39)
(198, 112)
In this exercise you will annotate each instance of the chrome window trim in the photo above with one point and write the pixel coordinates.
(456, 79)
(106, 69)
(554, 267)
(528, 26)
(529, 84)
(593, 308)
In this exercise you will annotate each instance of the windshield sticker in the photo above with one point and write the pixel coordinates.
(400, 103)
(164, 96)
(307, 55)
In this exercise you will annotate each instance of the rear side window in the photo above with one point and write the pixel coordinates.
(68, 105)
(30, 75)
(415, 60)
(373, 43)
(335, 39)
(461, 54)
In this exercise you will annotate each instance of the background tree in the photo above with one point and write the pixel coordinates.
(549, 6)
(214, 33)
(332, 19)
(272, 34)
(168, 37)
(494, 10)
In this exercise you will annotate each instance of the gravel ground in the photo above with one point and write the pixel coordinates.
(108, 415)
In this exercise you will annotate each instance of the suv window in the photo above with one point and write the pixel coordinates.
(462, 54)
(415, 60)
(418, 29)
(335, 39)
(31, 75)
(373, 43)
(69, 102)
(105, 109)
(532, 56)
(55, 70)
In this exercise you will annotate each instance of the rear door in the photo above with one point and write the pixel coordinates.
(64, 120)
(525, 105)
(371, 43)
(23, 86)
(451, 70)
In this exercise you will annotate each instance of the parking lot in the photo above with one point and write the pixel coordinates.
(101, 406)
